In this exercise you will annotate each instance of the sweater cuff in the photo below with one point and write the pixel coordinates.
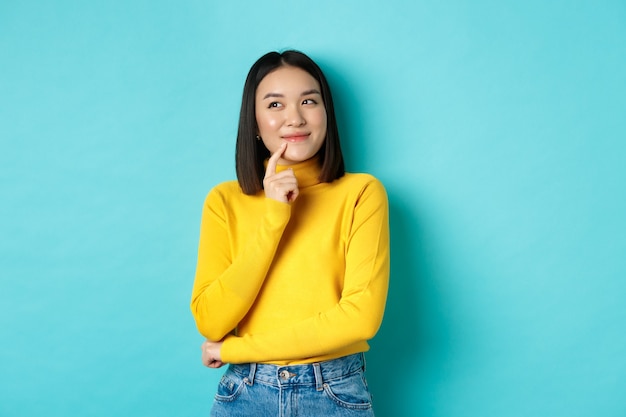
(229, 350)
(277, 212)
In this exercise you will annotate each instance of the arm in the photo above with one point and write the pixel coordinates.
(358, 314)
(226, 286)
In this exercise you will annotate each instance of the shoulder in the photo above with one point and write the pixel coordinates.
(227, 187)
(223, 192)
(363, 182)
(361, 190)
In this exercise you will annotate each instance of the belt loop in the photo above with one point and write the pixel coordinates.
(250, 378)
(319, 381)
(363, 360)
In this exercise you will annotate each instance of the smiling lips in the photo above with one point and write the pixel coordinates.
(296, 137)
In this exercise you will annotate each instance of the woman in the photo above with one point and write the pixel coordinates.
(293, 261)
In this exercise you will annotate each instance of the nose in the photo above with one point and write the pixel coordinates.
(295, 117)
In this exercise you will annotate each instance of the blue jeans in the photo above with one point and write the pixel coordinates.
(327, 389)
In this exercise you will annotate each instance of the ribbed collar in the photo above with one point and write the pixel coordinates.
(307, 172)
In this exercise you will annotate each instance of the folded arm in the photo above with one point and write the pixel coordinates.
(357, 315)
(226, 285)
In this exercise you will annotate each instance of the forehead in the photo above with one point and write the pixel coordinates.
(287, 80)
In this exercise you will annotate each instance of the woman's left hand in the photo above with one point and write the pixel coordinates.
(211, 354)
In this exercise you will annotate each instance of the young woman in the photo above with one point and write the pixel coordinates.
(293, 259)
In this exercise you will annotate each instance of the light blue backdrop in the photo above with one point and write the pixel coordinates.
(498, 128)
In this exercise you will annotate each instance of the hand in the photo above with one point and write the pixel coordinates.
(211, 354)
(281, 186)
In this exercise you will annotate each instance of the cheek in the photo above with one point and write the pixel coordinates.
(267, 122)
(322, 122)
(320, 119)
(272, 123)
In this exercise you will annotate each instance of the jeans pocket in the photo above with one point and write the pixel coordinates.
(349, 392)
(230, 387)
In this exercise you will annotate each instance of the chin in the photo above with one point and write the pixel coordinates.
(297, 158)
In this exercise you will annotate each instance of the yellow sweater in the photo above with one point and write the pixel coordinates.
(293, 283)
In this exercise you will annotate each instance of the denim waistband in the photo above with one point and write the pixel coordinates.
(309, 374)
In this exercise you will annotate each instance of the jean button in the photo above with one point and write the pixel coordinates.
(284, 374)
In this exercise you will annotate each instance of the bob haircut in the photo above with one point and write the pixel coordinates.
(251, 153)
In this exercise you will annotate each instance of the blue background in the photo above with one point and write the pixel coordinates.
(497, 127)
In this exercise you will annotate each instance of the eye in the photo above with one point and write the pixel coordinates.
(309, 101)
(274, 105)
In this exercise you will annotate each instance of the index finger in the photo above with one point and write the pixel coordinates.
(273, 161)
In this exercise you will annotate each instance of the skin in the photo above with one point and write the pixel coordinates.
(291, 120)
(211, 354)
(289, 109)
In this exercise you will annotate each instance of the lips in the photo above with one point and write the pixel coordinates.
(296, 137)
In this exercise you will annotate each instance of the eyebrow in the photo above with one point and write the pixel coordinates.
(304, 93)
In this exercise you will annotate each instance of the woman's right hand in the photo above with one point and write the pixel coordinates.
(281, 186)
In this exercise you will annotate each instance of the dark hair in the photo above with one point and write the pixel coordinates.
(251, 153)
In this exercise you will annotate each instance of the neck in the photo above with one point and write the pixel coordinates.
(307, 172)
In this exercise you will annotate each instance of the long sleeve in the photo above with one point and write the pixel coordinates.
(231, 267)
(345, 327)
